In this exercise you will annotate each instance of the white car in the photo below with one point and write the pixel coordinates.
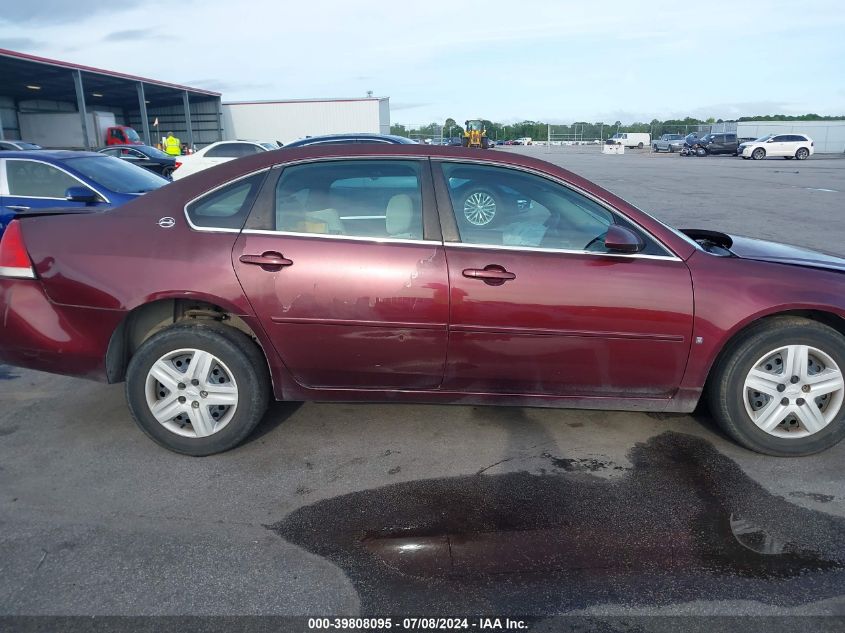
(798, 146)
(216, 153)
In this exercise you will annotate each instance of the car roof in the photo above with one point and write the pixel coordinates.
(47, 154)
(389, 138)
(133, 146)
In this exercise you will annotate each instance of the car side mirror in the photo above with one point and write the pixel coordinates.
(81, 194)
(622, 240)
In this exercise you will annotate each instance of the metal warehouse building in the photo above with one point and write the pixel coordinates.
(289, 120)
(30, 84)
(828, 136)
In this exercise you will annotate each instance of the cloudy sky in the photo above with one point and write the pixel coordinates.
(555, 61)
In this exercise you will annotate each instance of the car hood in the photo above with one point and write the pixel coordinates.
(765, 251)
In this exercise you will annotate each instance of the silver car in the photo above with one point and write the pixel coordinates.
(668, 143)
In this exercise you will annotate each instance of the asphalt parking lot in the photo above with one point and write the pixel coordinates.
(431, 510)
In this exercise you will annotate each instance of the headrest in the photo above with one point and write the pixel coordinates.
(400, 214)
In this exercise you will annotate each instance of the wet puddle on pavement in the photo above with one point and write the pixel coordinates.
(684, 523)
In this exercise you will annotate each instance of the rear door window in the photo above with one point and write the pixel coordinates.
(35, 179)
(361, 198)
(233, 150)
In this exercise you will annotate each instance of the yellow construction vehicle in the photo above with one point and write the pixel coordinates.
(475, 135)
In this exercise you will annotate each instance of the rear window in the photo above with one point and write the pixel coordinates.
(233, 150)
(116, 175)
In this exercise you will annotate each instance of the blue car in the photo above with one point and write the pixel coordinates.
(53, 179)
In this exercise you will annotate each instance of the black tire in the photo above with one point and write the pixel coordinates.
(167, 172)
(700, 151)
(242, 357)
(758, 154)
(802, 153)
(654, 148)
(724, 389)
(640, 146)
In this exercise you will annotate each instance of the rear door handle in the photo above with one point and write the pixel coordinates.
(17, 207)
(270, 261)
(492, 274)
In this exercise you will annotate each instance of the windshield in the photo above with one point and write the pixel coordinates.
(763, 139)
(23, 145)
(269, 146)
(474, 126)
(132, 135)
(153, 152)
(116, 175)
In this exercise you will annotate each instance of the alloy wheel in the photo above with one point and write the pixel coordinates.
(479, 208)
(794, 391)
(191, 393)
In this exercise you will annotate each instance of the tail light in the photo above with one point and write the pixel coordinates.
(14, 260)
(177, 165)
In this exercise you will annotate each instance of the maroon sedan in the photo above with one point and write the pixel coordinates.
(422, 274)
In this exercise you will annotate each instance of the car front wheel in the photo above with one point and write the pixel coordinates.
(758, 154)
(198, 389)
(779, 389)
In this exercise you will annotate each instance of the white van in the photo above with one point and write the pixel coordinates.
(631, 139)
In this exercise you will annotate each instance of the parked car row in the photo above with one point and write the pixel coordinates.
(799, 146)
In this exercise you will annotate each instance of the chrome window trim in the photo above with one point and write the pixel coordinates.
(220, 229)
(355, 238)
(670, 254)
(62, 169)
(563, 251)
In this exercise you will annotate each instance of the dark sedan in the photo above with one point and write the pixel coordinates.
(145, 156)
(353, 273)
(346, 139)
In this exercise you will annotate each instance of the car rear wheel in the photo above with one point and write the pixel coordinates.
(480, 207)
(780, 388)
(758, 154)
(700, 151)
(802, 153)
(640, 146)
(654, 148)
(167, 172)
(198, 389)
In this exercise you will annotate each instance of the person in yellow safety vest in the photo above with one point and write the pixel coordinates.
(172, 145)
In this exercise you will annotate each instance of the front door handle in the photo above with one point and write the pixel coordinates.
(17, 207)
(492, 274)
(269, 261)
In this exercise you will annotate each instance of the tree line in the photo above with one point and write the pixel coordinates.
(583, 129)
